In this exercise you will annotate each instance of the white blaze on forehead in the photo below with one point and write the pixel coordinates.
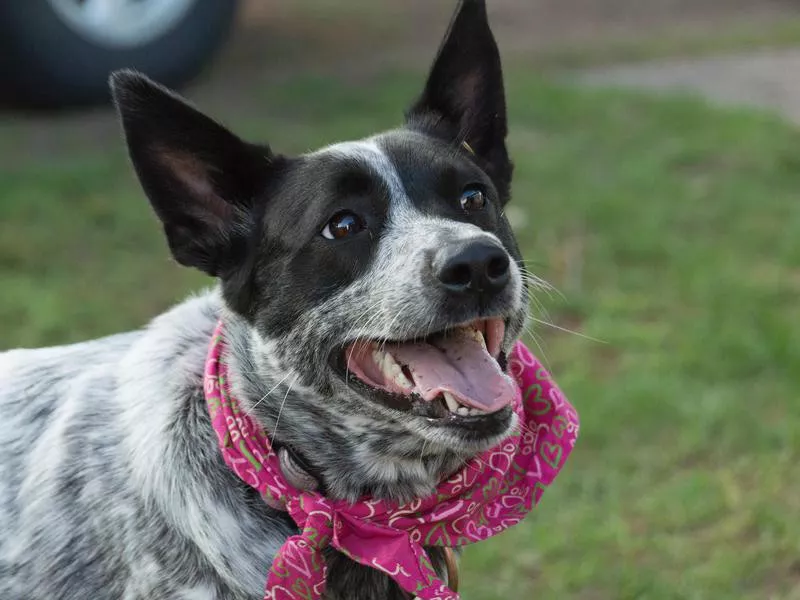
(370, 154)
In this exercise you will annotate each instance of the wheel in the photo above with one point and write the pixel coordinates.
(59, 53)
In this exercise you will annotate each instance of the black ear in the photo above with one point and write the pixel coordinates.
(202, 180)
(464, 96)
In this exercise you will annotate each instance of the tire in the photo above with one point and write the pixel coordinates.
(48, 62)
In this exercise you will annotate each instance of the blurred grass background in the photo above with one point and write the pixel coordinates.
(671, 229)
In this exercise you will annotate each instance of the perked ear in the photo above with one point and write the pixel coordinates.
(201, 179)
(464, 93)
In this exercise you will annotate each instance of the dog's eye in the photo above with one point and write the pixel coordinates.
(472, 199)
(342, 225)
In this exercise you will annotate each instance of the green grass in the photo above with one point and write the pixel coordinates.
(673, 231)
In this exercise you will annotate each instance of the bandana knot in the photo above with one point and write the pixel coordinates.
(492, 492)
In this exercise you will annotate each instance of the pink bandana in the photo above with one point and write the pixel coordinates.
(493, 491)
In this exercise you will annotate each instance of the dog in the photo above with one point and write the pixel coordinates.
(342, 277)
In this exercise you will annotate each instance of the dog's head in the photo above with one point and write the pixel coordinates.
(380, 277)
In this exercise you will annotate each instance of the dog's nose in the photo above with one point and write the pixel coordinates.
(475, 268)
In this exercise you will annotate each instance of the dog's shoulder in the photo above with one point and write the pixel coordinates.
(36, 382)
(43, 398)
(103, 446)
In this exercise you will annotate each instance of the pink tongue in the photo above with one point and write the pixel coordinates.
(460, 365)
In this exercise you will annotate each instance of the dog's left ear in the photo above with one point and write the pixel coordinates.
(464, 93)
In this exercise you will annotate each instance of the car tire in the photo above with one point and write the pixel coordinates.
(47, 61)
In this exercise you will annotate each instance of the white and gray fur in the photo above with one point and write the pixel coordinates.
(111, 482)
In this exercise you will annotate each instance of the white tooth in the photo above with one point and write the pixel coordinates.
(378, 357)
(463, 411)
(452, 403)
(389, 367)
(389, 363)
(401, 380)
(394, 371)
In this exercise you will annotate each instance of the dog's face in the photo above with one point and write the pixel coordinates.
(380, 276)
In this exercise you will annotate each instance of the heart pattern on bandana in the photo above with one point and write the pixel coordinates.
(493, 492)
(551, 454)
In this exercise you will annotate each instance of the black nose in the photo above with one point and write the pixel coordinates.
(478, 268)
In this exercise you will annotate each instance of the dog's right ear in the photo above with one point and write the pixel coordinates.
(202, 181)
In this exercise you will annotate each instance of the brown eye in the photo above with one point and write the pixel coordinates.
(342, 225)
(472, 199)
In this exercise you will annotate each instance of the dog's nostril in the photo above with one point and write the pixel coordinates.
(456, 275)
(497, 267)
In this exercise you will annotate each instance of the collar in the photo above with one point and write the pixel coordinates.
(491, 493)
(297, 469)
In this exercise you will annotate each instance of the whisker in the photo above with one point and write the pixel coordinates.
(424, 444)
(265, 396)
(566, 330)
(540, 284)
(389, 329)
(365, 318)
(539, 346)
(280, 410)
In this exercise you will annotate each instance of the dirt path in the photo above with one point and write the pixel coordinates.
(767, 79)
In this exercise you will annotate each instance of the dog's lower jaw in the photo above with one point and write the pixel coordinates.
(391, 477)
(354, 453)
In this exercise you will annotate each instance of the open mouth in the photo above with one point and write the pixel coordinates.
(456, 375)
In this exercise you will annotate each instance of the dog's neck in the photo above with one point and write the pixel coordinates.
(352, 456)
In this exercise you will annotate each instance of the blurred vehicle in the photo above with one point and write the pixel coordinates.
(58, 53)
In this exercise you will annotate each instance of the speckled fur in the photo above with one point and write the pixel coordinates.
(111, 483)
